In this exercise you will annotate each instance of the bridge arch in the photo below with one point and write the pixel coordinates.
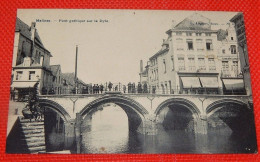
(178, 114)
(178, 101)
(232, 116)
(136, 112)
(56, 108)
(217, 105)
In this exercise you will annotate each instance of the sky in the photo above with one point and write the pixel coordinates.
(111, 48)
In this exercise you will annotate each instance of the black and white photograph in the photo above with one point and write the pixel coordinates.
(103, 81)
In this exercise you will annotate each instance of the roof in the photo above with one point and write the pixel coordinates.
(23, 28)
(239, 15)
(161, 51)
(194, 22)
(69, 77)
(54, 69)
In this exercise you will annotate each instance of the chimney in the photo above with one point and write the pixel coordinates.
(141, 66)
(33, 29)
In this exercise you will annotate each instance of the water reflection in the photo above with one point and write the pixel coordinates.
(107, 131)
(109, 134)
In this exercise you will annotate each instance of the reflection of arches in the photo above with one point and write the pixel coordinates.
(177, 114)
(133, 109)
(56, 108)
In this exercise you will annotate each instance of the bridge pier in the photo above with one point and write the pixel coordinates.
(69, 134)
(201, 125)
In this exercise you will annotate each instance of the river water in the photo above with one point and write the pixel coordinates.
(109, 134)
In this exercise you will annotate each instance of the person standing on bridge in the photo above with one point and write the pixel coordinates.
(133, 88)
(97, 89)
(101, 87)
(124, 88)
(110, 86)
(129, 87)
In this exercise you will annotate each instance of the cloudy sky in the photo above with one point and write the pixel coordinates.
(109, 50)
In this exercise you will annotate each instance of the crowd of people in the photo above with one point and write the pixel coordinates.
(110, 87)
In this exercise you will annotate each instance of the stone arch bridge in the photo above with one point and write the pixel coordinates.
(145, 111)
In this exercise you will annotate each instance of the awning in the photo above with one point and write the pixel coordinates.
(234, 84)
(190, 82)
(209, 82)
(23, 84)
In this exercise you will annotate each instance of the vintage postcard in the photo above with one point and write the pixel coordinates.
(130, 81)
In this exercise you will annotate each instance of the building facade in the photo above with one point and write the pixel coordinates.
(242, 48)
(31, 60)
(191, 60)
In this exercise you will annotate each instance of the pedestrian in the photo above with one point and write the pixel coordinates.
(129, 87)
(139, 88)
(101, 87)
(97, 88)
(133, 88)
(110, 86)
(124, 88)
(145, 88)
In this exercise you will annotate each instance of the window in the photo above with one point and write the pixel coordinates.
(233, 49)
(198, 34)
(19, 75)
(209, 44)
(172, 62)
(157, 74)
(232, 38)
(208, 34)
(211, 61)
(223, 51)
(201, 62)
(199, 45)
(190, 44)
(235, 67)
(188, 34)
(212, 66)
(225, 68)
(31, 75)
(181, 63)
(179, 45)
(191, 64)
(178, 33)
(164, 63)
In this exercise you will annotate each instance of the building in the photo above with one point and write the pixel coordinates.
(57, 78)
(191, 60)
(238, 19)
(31, 60)
(69, 84)
(231, 75)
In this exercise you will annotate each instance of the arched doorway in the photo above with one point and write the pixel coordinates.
(55, 120)
(106, 124)
(231, 126)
